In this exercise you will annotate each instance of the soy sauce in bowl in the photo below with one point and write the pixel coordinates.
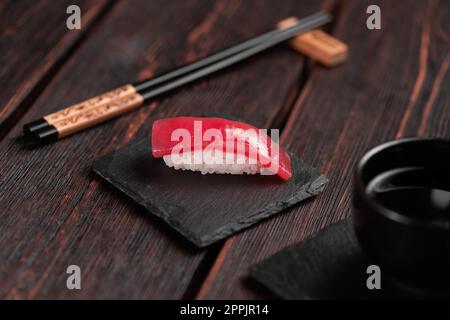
(413, 191)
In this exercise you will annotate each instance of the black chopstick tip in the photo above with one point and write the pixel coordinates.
(43, 135)
(34, 126)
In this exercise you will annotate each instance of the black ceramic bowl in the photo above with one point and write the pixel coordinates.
(413, 249)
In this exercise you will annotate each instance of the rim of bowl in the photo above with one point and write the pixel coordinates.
(382, 210)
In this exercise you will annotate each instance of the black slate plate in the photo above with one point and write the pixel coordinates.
(330, 265)
(204, 208)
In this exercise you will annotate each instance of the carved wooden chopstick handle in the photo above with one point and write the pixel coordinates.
(49, 120)
(76, 120)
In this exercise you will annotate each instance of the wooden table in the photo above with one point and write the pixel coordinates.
(55, 212)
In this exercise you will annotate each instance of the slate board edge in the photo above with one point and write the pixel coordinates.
(312, 189)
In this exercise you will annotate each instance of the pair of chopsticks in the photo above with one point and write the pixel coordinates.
(128, 97)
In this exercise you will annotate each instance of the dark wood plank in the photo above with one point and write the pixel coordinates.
(435, 120)
(54, 213)
(34, 39)
(428, 109)
(341, 113)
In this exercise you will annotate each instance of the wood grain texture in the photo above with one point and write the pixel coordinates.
(55, 213)
(428, 109)
(34, 39)
(342, 112)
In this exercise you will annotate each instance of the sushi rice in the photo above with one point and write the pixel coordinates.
(210, 162)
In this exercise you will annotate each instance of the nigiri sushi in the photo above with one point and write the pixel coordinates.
(216, 145)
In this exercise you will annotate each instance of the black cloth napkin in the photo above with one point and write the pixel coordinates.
(329, 265)
(204, 208)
